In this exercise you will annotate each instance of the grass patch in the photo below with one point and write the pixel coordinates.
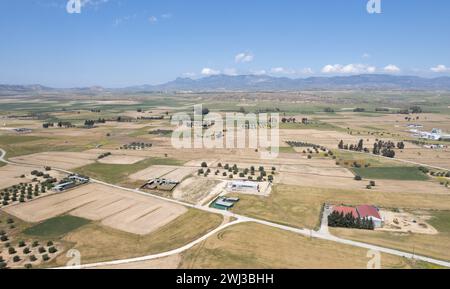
(441, 221)
(113, 173)
(15, 139)
(98, 243)
(286, 150)
(391, 173)
(57, 226)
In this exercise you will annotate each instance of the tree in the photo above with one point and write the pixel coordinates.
(205, 111)
(204, 165)
(360, 145)
(358, 178)
(416, 109)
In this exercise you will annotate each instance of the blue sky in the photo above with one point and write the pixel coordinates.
(117, 43)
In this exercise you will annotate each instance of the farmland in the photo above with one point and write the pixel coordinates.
(115, 217)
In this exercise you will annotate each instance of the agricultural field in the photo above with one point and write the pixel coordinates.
(250, 246)
(114, 217)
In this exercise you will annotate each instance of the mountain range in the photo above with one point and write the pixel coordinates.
(261, 83)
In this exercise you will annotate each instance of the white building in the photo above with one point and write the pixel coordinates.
(236, 186)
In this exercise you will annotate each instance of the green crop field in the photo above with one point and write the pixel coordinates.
(391, 173)
(56, 227)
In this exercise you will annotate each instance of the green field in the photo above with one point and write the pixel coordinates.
(117, 173)
(391, 173)
(441, 221)
(56, 227)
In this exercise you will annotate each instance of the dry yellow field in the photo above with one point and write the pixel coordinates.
(301, 206)
(254, 246)
(61, 160)
(112, 207)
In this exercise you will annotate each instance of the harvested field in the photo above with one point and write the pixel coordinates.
(11, 175)
(98, 243)
(180, 174)
(152, 172)
(320, 170)
(336, 182)
(198, 163)
(195, 189)
(121, 160)
(250, 246)
(61, 160)
(116, 208)
(300, 206)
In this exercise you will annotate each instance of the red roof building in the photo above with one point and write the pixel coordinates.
(346, 210)
(368, 212)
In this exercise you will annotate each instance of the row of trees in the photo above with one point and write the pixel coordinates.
(60, 124)
(384, 148)
(340, 220)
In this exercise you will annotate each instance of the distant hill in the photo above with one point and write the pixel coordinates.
(18, 89)
(268, 83)
(262, 83)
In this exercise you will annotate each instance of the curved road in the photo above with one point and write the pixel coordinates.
(322, 234)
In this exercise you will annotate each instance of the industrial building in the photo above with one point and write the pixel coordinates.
(224, 203)
(71, 182)
(239, 186)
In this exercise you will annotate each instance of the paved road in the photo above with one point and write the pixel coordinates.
(322, 234)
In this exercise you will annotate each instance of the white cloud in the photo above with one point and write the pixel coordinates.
(244, 57)
(282, 70)
(348, 69)
(189, 74)
(440, 68)
(258, 72)
(391, 68)
(307, 70)
(209, 71)
(152, 19)
(366, 55)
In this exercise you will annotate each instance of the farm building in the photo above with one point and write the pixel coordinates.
(362, 212)
(346, 211)
(237, 186)
(79, 179)
(161, 184)
(372, 213)
(64, 186)
(224, 203)
(23, 130)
